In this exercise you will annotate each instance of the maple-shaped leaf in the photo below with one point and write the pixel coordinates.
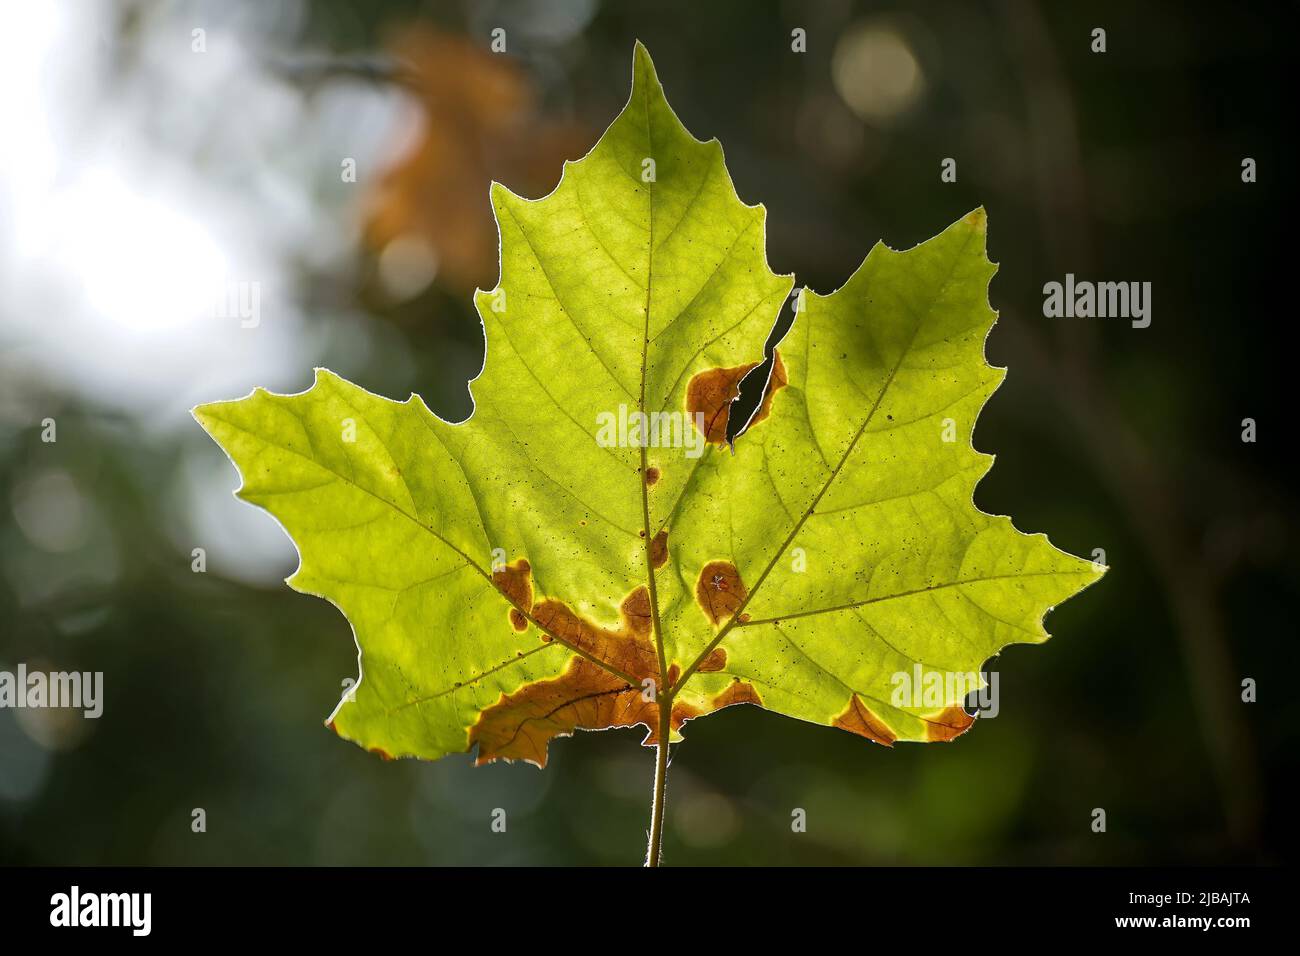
(559, 561)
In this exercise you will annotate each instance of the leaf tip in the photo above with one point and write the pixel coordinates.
(209, 418)
(977, 218)
(643, 67)
(322, 376)
(502, 199)
(640, 55)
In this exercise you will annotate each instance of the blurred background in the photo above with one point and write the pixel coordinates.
(196, 198)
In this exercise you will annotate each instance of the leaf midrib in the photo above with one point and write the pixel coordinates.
(655, 621)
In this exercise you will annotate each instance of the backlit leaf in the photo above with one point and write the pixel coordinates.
(537, 568)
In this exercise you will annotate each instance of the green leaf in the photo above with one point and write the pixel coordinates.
(518, 575)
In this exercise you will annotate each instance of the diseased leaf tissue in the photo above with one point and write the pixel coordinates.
(837, 548)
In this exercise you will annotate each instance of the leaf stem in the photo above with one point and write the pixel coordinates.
(655, 848)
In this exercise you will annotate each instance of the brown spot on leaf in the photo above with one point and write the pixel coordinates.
(719, 590)
(711, 392)
(858, 719)
(779, 380)
(737, 692)
(519, 726)
(381, 753)
(659, 550)
(651, 476)
(515, 581)
(716, 661)
(949, 724)
(628, 647)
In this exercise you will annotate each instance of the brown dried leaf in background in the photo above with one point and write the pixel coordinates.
(480, 123)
